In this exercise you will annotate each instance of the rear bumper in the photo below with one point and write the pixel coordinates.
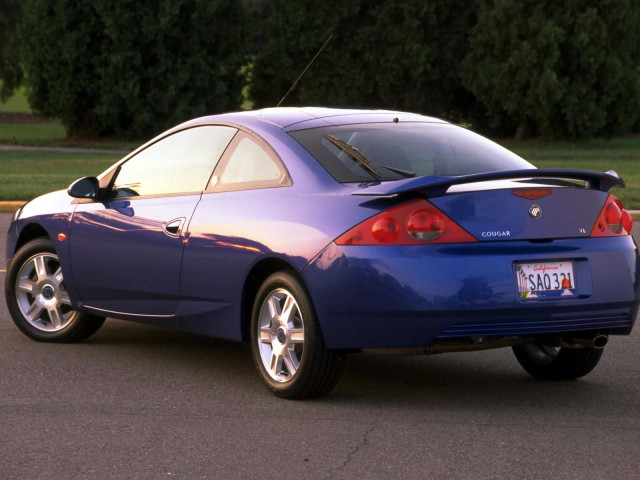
(415, 296)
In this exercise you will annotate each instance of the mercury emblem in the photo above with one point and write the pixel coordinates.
(535, 211)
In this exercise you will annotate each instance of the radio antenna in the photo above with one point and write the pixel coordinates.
(304, 71)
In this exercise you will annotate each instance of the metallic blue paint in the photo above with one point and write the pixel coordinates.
(566, 213)
(392, 297)
(120, 260)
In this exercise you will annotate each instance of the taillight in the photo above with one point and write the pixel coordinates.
(613, 220)
(426, 224)
(385, 230)
(413, 223)
(532, 193)
(627, 221)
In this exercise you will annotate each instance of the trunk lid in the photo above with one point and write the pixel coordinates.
(502, 214)
(533, 204)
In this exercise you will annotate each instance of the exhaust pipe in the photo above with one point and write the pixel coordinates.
(598, 342)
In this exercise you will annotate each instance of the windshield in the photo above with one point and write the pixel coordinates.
(401, 150)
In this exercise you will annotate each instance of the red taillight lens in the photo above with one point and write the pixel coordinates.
(425, 224)
(613, 217)
(627, 221)
(385, 230)
(613, 220)
(412, 223)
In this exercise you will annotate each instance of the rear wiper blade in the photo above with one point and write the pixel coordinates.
(356, 154)
(400, 171)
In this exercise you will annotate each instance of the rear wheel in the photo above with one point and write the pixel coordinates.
(557, 363)
(287, 344)
(38, 300)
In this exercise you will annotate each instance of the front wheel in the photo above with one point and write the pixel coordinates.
(287, 344)
(38, 300)
(557, 363)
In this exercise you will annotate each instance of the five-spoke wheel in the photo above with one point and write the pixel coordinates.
(37, 299)
(286, 341)
(40, 293)
(281, 342)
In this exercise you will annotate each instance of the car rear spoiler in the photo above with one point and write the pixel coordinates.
(434, 185)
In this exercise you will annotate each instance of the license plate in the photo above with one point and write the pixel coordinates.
(545, 279)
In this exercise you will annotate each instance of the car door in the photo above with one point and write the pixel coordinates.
(126, 250)
(225, 234)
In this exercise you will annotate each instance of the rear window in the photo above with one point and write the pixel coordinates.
(402, 150)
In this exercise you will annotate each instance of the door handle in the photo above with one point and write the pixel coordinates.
(173, 227)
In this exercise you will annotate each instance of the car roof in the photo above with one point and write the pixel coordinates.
(298, 118)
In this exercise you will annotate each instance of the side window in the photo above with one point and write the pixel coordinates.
(248, 164)
(179, 163)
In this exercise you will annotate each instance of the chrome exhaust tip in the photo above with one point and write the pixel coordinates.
(598, 342)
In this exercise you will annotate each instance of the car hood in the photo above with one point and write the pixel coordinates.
(47, 204)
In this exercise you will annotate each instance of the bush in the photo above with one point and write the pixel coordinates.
(402, 55)
(565, 69)
(132, 68)
(10, 69)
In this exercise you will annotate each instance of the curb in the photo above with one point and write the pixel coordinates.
(11, 207)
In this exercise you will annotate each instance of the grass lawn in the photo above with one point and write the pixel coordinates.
(33, 134)
(619, 154)
(27, 174)
(53, 134)
(19, 127)
(17, 103)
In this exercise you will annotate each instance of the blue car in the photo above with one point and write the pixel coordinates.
(312, 233)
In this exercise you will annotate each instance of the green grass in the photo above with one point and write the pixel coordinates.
(53, 134)
(17, 103)
(27, 174)
(46, 132)
(43, 136)
(620, 154)
(32, 134)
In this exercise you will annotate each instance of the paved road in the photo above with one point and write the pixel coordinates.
(148, 403)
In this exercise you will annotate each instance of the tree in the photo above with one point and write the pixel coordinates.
(566, 69)
(256, 13)
(382, 54)
(11, 74)
(132, 68)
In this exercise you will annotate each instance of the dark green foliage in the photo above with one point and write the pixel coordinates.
(256, 13)
(11, 74)
(132, 68)
(562, 68)
(382, 54)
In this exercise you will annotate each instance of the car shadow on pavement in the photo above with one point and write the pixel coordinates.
(480, 380)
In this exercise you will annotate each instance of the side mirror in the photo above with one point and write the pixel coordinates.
(86, 187)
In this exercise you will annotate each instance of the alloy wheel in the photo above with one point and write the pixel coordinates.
(280, 335)
(40, 293)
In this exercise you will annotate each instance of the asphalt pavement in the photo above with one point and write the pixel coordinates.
(142, 402)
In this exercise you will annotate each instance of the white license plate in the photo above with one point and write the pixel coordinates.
(545, 279)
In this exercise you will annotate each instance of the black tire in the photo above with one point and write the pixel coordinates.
(37, 299)
(557, 363)
(287, 344)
